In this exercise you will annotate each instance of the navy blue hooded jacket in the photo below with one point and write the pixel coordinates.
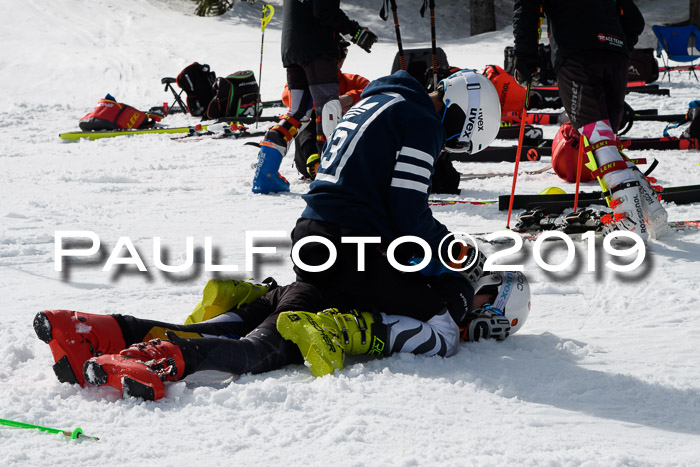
(375, 171)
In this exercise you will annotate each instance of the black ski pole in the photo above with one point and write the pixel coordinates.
(432, 38)
(384, 16)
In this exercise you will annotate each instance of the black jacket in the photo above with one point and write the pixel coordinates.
(577, 25)
(309, 30)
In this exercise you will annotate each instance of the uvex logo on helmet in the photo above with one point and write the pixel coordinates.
(476, 116)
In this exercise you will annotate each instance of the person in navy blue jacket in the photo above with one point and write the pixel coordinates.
(373, 181)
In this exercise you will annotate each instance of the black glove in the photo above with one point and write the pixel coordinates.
(524, 70)
(364, 38)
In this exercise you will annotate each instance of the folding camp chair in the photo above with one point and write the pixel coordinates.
(169, 86)
(680, 44)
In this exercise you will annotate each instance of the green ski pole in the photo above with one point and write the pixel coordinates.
(75, 434)
(267, 12)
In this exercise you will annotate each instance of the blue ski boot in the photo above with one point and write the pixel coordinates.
(267, 177)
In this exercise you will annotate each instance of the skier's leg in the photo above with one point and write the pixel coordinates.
(325, 338)
(141, 369)
(276, 141)
(655, 214)
(222, 295)
(589, 98)
(232, 324)
(305, 148)
(322, 75)
(261, 350)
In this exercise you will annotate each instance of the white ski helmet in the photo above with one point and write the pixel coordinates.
(472, 113)
(512, 296)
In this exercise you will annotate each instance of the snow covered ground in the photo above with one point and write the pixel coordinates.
(604, 373)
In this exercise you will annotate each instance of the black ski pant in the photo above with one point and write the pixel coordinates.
(260, 349)
(310, 84)
(592, 85)
(305, 146)
(380, 287)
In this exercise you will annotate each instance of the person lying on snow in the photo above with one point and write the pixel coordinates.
(136, 356)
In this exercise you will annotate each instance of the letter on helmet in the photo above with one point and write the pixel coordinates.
(472, 113)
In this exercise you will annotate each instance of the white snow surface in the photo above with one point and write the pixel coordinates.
(605, 372)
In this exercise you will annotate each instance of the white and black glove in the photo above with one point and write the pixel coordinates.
(484, 323)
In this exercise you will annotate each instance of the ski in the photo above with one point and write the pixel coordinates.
(166, 110)
(450, 202)
(502, 174)
(556, 203)
(505, 154)
(661, 143)
(532, 137)
(93, 135)
(222, 130)
(535, 153)
(633, 86)
(676, 226)
(533, 118)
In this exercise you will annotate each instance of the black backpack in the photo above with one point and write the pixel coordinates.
(544, 63)
(419, 63)
(198, 83)
(643, 66)
(235, 96)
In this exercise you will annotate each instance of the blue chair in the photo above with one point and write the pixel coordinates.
(676, 42)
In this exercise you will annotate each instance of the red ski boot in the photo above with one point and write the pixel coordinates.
(75, 337)
(138, 371)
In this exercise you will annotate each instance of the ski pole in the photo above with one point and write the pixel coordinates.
(581, 144)
(520, 148)
(383, 15)
(432, 38)
(75, 434)
(268, 12)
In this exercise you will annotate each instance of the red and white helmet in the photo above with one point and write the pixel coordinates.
(512, 296)
(472, 115)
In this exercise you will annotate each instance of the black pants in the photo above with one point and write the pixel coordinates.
(592, 86)
(261, 349)
(381, 287)
(312, 83)
(305, 146)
